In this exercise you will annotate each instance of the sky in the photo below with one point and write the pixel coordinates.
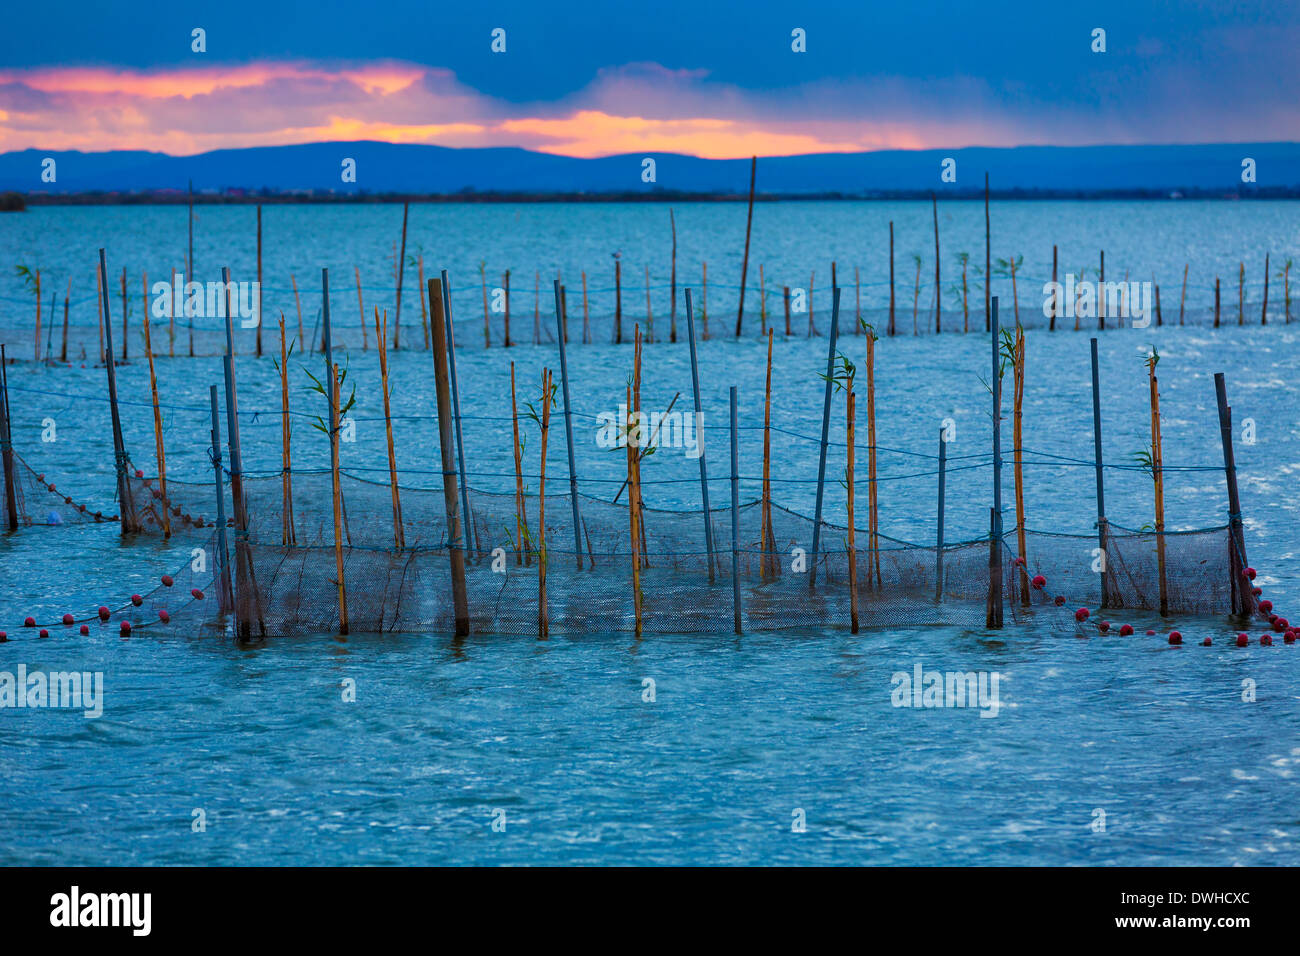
(717, 80)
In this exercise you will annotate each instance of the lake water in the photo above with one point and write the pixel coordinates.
(745, 735)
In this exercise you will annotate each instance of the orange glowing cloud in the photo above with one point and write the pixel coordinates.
(183, 111)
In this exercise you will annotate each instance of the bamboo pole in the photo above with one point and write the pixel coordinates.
(537, 307)
(891, 277)
(450, 325)
(506, 318)
(586, 320)
(401, 276)
(704, 301)
(158, 432)
(568, 422)
(812, 326)
(735, 518)
(543, 612)
(993, 618)
(126, 502)
(288, 536)
(873, 513)
(456, 542)
(938, 289)
(424, 309)
(672, 322)
(762, 300)
(63, 349)
(6, 446)
(247, 600)
(767, 542)
(938, 537)
(521, 514)
(381, 337)
(37, 354)
(1263, 312)
(225, 595)
(1182, 298)
(785, 296)
(1101, 293)
(1241, 294)
(259, 280)
(1216, 302)
(297, 303)
(337, 498)
(1018, 373)
(744, 263)
(1158, 480)
(482, 278)
(699, 434)
(125, 336)
(632, 502)
(916, 296)
(851, 411)
(988, 266)
(618, 300)
(1243, 598)
(361, 308)
(649, 316)
(171, 314)
(826, 424)
(189, 260)
(1102, 528)
(100, 299)
(1051, 326)
(857, 301)
(1160, 319)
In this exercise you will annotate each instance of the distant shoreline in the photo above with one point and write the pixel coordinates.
(242, 197)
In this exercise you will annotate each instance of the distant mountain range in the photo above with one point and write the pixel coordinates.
(387, 168)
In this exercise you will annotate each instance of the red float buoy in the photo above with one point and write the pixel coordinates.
(1206, 643)
(1281, 624)
(44, 633)
(3, 637)
(1175, 637)
(1257, 591)
(29, 622)
(1267, 640)
(139, 473)
(126, 627)
(104, 613)
(1039, 582)
(167, 580)
(163, 615)
(69, 619)
(85, 629)
(1103, 626)
(1125, 630)
(1081, 615)
(1289, 637)
(1060, 600)
(1266, 606)
(1249, 572)
(1242, 640)
(137, 600)
(198, 595)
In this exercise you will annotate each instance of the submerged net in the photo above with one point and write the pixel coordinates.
(293, 588)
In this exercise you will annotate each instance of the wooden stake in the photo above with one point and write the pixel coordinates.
(381, 337)
(770, 566)
(1018, 400)
(424, 308)
(457, 541)
(124, 326)
(506, 290)
(826, 424)
(1157, 474)
(401, 275)
(37, 354)
(735, 518)
(543, 612)
(482, 278)
(812, 326)
(873, 513)
(852, 544)
(1216, 302)
(297, 302)
(63, 350)
(633, 509)
(785, 296)
(171, 316)
(938, 289)
(987, 256)
(361, 309)
(649, 316)
(704, 301)
(521, 514)
(618, 300)
(744, 263)
(699, 433)
(672, 322)
(857, 302)
(338, 503)
(1182, 298)
(1101, 293)
(891, 277)
(537, 307)
(259, 281)
(157, 431)
(1263, 312)
(762, 300)
(288, 536)
(1241, 294)
(586, 321)
(568, 419)
(1051, 325)
(100, 299)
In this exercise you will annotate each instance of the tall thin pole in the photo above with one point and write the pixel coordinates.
(995, 531)
(744, 263)
(189, 264)
(245, 583)
(455, 402)
(735, 517)
(826, 425)
(7, 447)
(987, 255)
(1243, 599)
(401, 274)
(455, 543)
(938, 290)
(568, 426)
(699, 432)
(1101, 482)
(938, 538)
(125, 501)
(259, 280)
(224, 597)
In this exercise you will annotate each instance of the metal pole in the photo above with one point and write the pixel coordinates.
(1101, 485)
(826, 425)
(125, 500)
(938, 543)
(568, 423)
(455, 403)
(735, 517)
(455, 548)
(1243, 599)
(224, 597)
(699, 432)
(994, 617)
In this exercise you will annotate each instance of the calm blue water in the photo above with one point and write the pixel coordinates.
(743, 732)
